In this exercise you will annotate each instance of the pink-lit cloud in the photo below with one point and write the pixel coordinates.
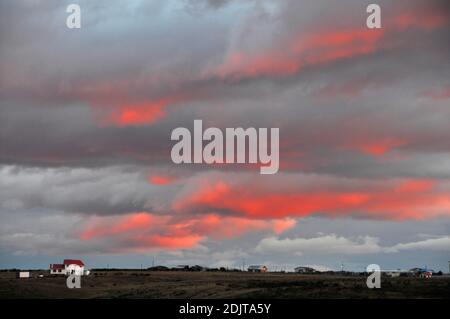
(149, 231)
(376, 147)
(317, 48)
(395, 200)
(161, 180)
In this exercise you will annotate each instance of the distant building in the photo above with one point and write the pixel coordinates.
(257, 268)
(23, 274)
(421, 272)
(393, 273)
(303, 269)
(415, 270)
(69, 267)
(426, 274)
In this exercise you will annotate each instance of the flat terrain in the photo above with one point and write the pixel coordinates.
(152, 284)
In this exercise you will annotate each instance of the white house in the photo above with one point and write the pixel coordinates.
(68, 267)
(23, 274)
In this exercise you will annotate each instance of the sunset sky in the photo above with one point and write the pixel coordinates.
(86, 116)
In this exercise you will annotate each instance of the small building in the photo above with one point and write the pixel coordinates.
(415, 270)
(257, 268)
(57, 269)
(304, 270)
(392, 273)
(23, 274)
(426, 274)
(69, 267)
(421, 272)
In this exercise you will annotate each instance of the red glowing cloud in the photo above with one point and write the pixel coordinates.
(143, 231)
(324, 46)
(410, 199)
(316, 49)
(420, 20)
(226, 227)
(140, 113)
(441, 94)
(319, 47)
(108, 226)
(376, 147)
(282, 225)
(161, 180)
(144, 112)
(168, 241)
(241, 65)
(415, 186)
(332, 46)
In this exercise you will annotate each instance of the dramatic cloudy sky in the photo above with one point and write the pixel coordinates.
(86, 117)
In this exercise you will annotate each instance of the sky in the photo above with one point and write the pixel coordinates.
(86, 117)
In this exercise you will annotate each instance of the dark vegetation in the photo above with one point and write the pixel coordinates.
(219, 284)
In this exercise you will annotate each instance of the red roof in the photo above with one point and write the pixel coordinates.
(73, 262)
(56, 266)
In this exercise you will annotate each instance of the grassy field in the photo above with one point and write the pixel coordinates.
(147, 284)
